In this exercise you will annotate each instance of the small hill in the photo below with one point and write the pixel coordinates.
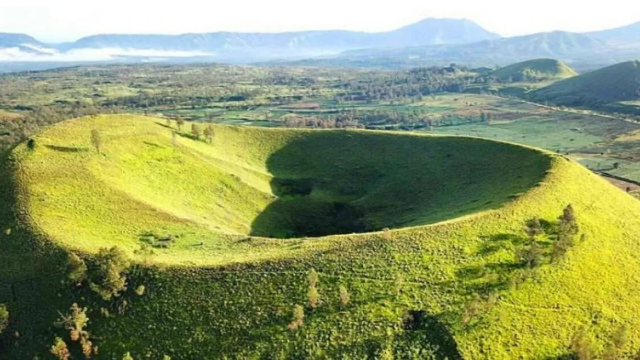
(534, 70)
(620, 82)
(417, 242)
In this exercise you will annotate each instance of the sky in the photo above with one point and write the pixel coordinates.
(68, 20)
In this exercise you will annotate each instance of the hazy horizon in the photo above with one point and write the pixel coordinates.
(43, 19)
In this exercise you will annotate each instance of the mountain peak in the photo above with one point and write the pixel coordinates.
(434, 31)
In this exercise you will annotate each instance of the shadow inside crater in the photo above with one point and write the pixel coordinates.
(343, 182)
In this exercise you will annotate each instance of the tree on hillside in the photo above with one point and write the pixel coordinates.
(208, 133)
(298, 317)
(344, 296)
(195, 131)
(174, 139)
(582, 345)
(312, 293)
(531, 255)
(4, 317)
(60, 350)
(76, 268)
(567, 229)
(96, 140)
(107, 273)
(76, 322)
(312, 277)
(533, 228)
(618, 341)
(568, 224)
(179, 122)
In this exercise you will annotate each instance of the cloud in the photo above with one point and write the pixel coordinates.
(32, 53)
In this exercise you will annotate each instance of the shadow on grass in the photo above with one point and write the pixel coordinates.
(343, 182)
(67, 149)
(31, 271)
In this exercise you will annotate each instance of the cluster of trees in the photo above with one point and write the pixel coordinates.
(313, 298)
(532, 255)
(21, 128)
(106, 273)
(415, 83)
(76, 323)
(414, 119)
(92, 90)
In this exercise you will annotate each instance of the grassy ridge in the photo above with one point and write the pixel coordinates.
(241, 309)
(253, 182)
(537, 70)
(604, 86)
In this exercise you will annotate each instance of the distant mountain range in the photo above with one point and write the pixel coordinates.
(240, 47)
(570, 47)
(428, 42)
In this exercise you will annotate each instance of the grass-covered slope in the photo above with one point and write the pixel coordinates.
(535, 70)
(455, 288)
(277, 183)
(620, 82)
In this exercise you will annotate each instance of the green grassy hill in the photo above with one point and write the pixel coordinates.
(535, 70)
(253, 212)
(620, 82)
